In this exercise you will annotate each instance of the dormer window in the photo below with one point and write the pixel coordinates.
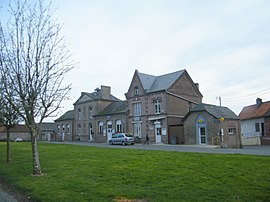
(136, 91)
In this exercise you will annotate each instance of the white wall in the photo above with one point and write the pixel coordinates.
(248, 131)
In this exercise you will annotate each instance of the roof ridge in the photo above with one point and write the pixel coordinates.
(171, 73)
(266, 102)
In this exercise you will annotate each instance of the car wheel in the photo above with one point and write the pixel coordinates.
(110, 142)
(123, 143)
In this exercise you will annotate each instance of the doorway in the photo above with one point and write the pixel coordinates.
(109, 130)
(202, 135)
(158, 131)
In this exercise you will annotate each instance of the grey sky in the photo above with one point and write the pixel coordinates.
(224, 45)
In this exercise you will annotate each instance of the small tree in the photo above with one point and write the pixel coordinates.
(8, 117)
(35, 61)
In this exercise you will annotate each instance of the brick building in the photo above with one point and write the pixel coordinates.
(157, 105)
(212, 125)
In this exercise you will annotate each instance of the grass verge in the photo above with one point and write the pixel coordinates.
(79, 173)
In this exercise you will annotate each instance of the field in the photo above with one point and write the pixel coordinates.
(80, 173)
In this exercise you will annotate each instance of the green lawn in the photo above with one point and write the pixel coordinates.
(80, 173)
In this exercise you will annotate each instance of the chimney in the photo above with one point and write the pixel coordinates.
(197, 85)
(105, 92)
(258, 102)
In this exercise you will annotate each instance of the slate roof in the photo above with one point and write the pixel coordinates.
(252, 111)
(216, 111)
(15, 129)
(114, 108)
(267, 113)
(157, 83)
(47, 126)
(94, 96)
(69, 115)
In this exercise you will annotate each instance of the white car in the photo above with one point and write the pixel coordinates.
(18, 139)
(122, 138)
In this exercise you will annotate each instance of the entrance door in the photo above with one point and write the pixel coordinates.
(158, 132)
(90, 132)
(262, 127)
(109, 130)
(202, 135)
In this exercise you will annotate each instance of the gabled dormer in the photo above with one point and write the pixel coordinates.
(136, 87)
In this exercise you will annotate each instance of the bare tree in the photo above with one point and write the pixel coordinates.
(35, 61)
(8, 117)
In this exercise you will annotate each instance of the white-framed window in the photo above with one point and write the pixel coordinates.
(100, 127)
(257, 127)
(58, 129)
(137, 109)
(136, 91)
(68, 128)
(79, 129)
(157, 106)
(231, 131)
(118, 126)
(90, 128)
(79, 114)
(137, 130)
(90, 112)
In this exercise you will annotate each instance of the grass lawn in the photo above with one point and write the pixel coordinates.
(80, 173)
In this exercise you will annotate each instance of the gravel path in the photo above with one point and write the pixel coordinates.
(5, 197)
(7, 194)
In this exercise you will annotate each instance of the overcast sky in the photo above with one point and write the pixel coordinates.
(224, 45)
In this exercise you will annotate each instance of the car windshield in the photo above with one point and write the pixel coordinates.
(129, 135)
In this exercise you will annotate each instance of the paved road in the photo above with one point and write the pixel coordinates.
(254, 150)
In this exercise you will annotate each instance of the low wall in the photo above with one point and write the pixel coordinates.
(251, 141)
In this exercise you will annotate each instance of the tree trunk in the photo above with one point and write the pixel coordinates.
(8, 144)
(35, 154)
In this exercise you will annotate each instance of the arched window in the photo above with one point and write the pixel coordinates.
(118, 126)
(68, 129)
(136, 91)
(100, 127)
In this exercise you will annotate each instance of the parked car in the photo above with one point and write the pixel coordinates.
(122, 138)
(18, 139)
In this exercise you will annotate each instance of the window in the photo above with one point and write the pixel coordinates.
(90, 129)
(90, 112)
(79, 129)
(137, 109)
(257, 127)
(232, 131)
(68, 129)
(100, 127)
(137, 130)
(136, 91)
(118, 126)
(79, 114)
(157, 106)
(58, 129)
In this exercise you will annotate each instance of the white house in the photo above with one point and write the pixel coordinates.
(253, 122)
